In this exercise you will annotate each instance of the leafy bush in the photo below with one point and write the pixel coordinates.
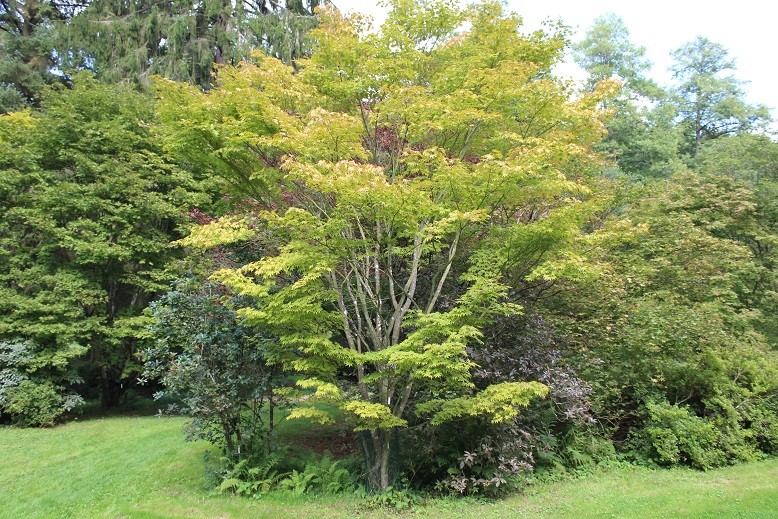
(673, 435)
(762, 415)
(33, 404)
(554, 432)
(216, 367)
(682, 319)
(487, 470)
(29, 393)
(529, 348)
(396, 499)
(682, 382)
(578, 451)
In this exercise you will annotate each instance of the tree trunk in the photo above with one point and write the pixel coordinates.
(377, 449)
(112, 389)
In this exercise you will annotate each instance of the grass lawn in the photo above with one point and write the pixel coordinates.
(140, 467)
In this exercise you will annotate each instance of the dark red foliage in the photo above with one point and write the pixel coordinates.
(385, 140)
(527, 348)
(199, 217)
(289, 198)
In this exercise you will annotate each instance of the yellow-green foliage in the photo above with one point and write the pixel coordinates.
(223, 231)
(373, 415)
(500, 401)
(405, 177)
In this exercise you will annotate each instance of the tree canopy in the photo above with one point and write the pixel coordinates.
(89, 209)
(711, 103)
(404, 182)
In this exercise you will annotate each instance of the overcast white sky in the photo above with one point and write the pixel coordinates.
(747, 28)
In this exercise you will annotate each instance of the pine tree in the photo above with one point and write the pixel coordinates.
(183, 40)
(712, 102)
(27, 33)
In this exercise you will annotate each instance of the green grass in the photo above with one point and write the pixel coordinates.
(141, 468)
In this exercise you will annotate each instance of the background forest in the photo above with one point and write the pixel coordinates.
(419, 237)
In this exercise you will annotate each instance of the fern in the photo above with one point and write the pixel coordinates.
(245, 480)
(230, 484)
(298, 482)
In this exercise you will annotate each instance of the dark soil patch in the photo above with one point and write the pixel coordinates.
(340, 442)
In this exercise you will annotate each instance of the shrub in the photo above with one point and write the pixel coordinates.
(216, 367)
(674, 435)
(396, 499)
(489, 470)
(33, 380)
(33, 404)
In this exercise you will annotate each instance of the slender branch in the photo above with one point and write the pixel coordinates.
(439, 288)
(409, 289)
(400, 409)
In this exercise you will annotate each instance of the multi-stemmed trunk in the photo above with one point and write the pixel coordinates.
(374, 302)
(376, 448)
